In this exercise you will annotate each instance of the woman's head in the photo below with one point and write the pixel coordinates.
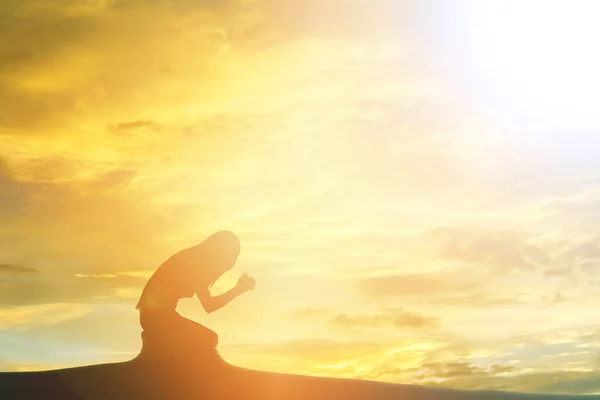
(222, 250)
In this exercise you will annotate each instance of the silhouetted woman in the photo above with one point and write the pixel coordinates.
(191, 271)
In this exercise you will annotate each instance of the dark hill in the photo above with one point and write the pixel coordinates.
(180, 379)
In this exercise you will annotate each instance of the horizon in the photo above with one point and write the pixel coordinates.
(415, 186)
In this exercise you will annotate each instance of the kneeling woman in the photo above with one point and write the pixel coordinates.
(191, 271)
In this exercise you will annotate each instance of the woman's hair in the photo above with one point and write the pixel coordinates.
(223, 247)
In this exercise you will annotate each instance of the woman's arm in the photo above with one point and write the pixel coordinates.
(210, 303)
(213, 303)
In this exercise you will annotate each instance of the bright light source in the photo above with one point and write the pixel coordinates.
(542, 52)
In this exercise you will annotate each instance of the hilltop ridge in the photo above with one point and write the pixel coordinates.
(196, 378)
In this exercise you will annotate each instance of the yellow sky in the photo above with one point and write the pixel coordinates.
(411, 212)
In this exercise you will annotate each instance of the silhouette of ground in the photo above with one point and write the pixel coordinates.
(197, 378)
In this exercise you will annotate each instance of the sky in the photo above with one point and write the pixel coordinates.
(416, 186)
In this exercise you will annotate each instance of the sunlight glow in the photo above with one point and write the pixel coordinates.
(416, 188)
(541, 50)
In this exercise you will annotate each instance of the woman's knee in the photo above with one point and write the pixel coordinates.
(214, 338)
(207, 336)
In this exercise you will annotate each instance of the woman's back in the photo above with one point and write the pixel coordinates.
(175, 279)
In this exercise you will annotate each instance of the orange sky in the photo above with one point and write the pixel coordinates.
(416, 191)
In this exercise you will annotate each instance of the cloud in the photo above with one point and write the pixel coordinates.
(63, 227)
(38, 99)
(453, 369)
(65, 36)
(36, 289)
(462, 374)
(555, 382)
(105, 326)
(430, 363)
(17, 269)
(396, 319)
(472, 291)
(409, 285)
(488, 248)
(483, 267)
(575, 211)
(28, 317)
(386, 318)
(308, 313)
(124, 127)
(14, 194)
